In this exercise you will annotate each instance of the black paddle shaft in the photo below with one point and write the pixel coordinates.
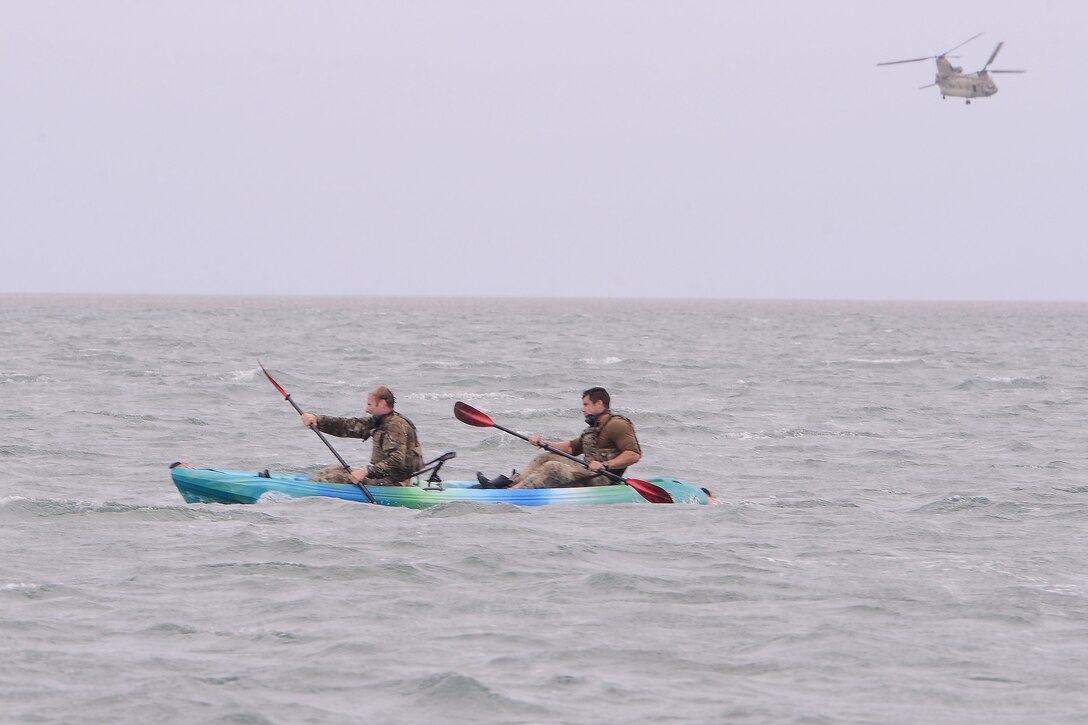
(323, 439)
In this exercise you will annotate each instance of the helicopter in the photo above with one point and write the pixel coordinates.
(954, 82)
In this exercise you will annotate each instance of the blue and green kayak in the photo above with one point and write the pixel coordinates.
(214, 485)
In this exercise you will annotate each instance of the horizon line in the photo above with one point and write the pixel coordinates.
(548, 298)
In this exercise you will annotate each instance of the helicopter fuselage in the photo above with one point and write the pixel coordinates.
(954, 82)
(967, 85)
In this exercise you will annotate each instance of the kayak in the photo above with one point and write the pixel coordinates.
(215, 485)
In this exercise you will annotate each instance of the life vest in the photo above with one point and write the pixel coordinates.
(591, 450)
(413, 460)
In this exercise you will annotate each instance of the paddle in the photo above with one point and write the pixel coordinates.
(652, 493)
(287, 397)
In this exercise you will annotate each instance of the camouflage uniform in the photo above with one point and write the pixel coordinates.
(395, 455)
(602, 442)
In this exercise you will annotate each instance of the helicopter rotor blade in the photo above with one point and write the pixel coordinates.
(993, 55)
(909, 60)
(931, 57)
(961, 44)
(1006, 71)
(929, 85)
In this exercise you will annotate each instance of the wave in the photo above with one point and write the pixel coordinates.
(955, 504)
(799, 432)
(461, 395)
(997, 383)
(884, 361)
(240, 376)
(437, 696)
(813, 503)
(455, 509)
(22, 378)
(21, 587)
(122, 416)
(21, 508)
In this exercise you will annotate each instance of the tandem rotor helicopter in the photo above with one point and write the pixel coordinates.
(954, 82)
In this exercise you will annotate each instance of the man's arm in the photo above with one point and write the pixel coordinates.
(623, 460)
(340, 427)
(564, 446)
(624, 439)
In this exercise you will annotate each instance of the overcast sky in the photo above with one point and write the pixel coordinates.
(624, 149)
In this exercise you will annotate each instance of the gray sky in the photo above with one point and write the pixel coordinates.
(634, 149)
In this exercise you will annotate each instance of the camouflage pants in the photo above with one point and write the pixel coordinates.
(551, 471)
(337, 474)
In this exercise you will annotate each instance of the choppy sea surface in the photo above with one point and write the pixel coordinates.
(901, 535)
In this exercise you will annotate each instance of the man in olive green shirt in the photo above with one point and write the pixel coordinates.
(608, 443)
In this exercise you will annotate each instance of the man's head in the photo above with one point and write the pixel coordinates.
(380, 401)
(595, 401)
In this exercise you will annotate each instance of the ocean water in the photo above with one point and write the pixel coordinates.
(900, 539)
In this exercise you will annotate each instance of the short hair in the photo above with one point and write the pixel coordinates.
(383, 393)
(598, 395)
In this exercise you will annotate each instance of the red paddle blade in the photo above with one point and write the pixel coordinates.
(467, 414)
(650, 492)
(272, 380)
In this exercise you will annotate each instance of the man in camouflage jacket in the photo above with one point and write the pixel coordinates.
(396, 453)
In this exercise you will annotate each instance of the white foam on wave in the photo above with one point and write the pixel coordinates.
(534, 412)
(19, 587)
(16, 377)
(604, 361)
(776, 434)
(240, 376)
(275, 497)
(458, 396)
(884, 360)
(1015, 382)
